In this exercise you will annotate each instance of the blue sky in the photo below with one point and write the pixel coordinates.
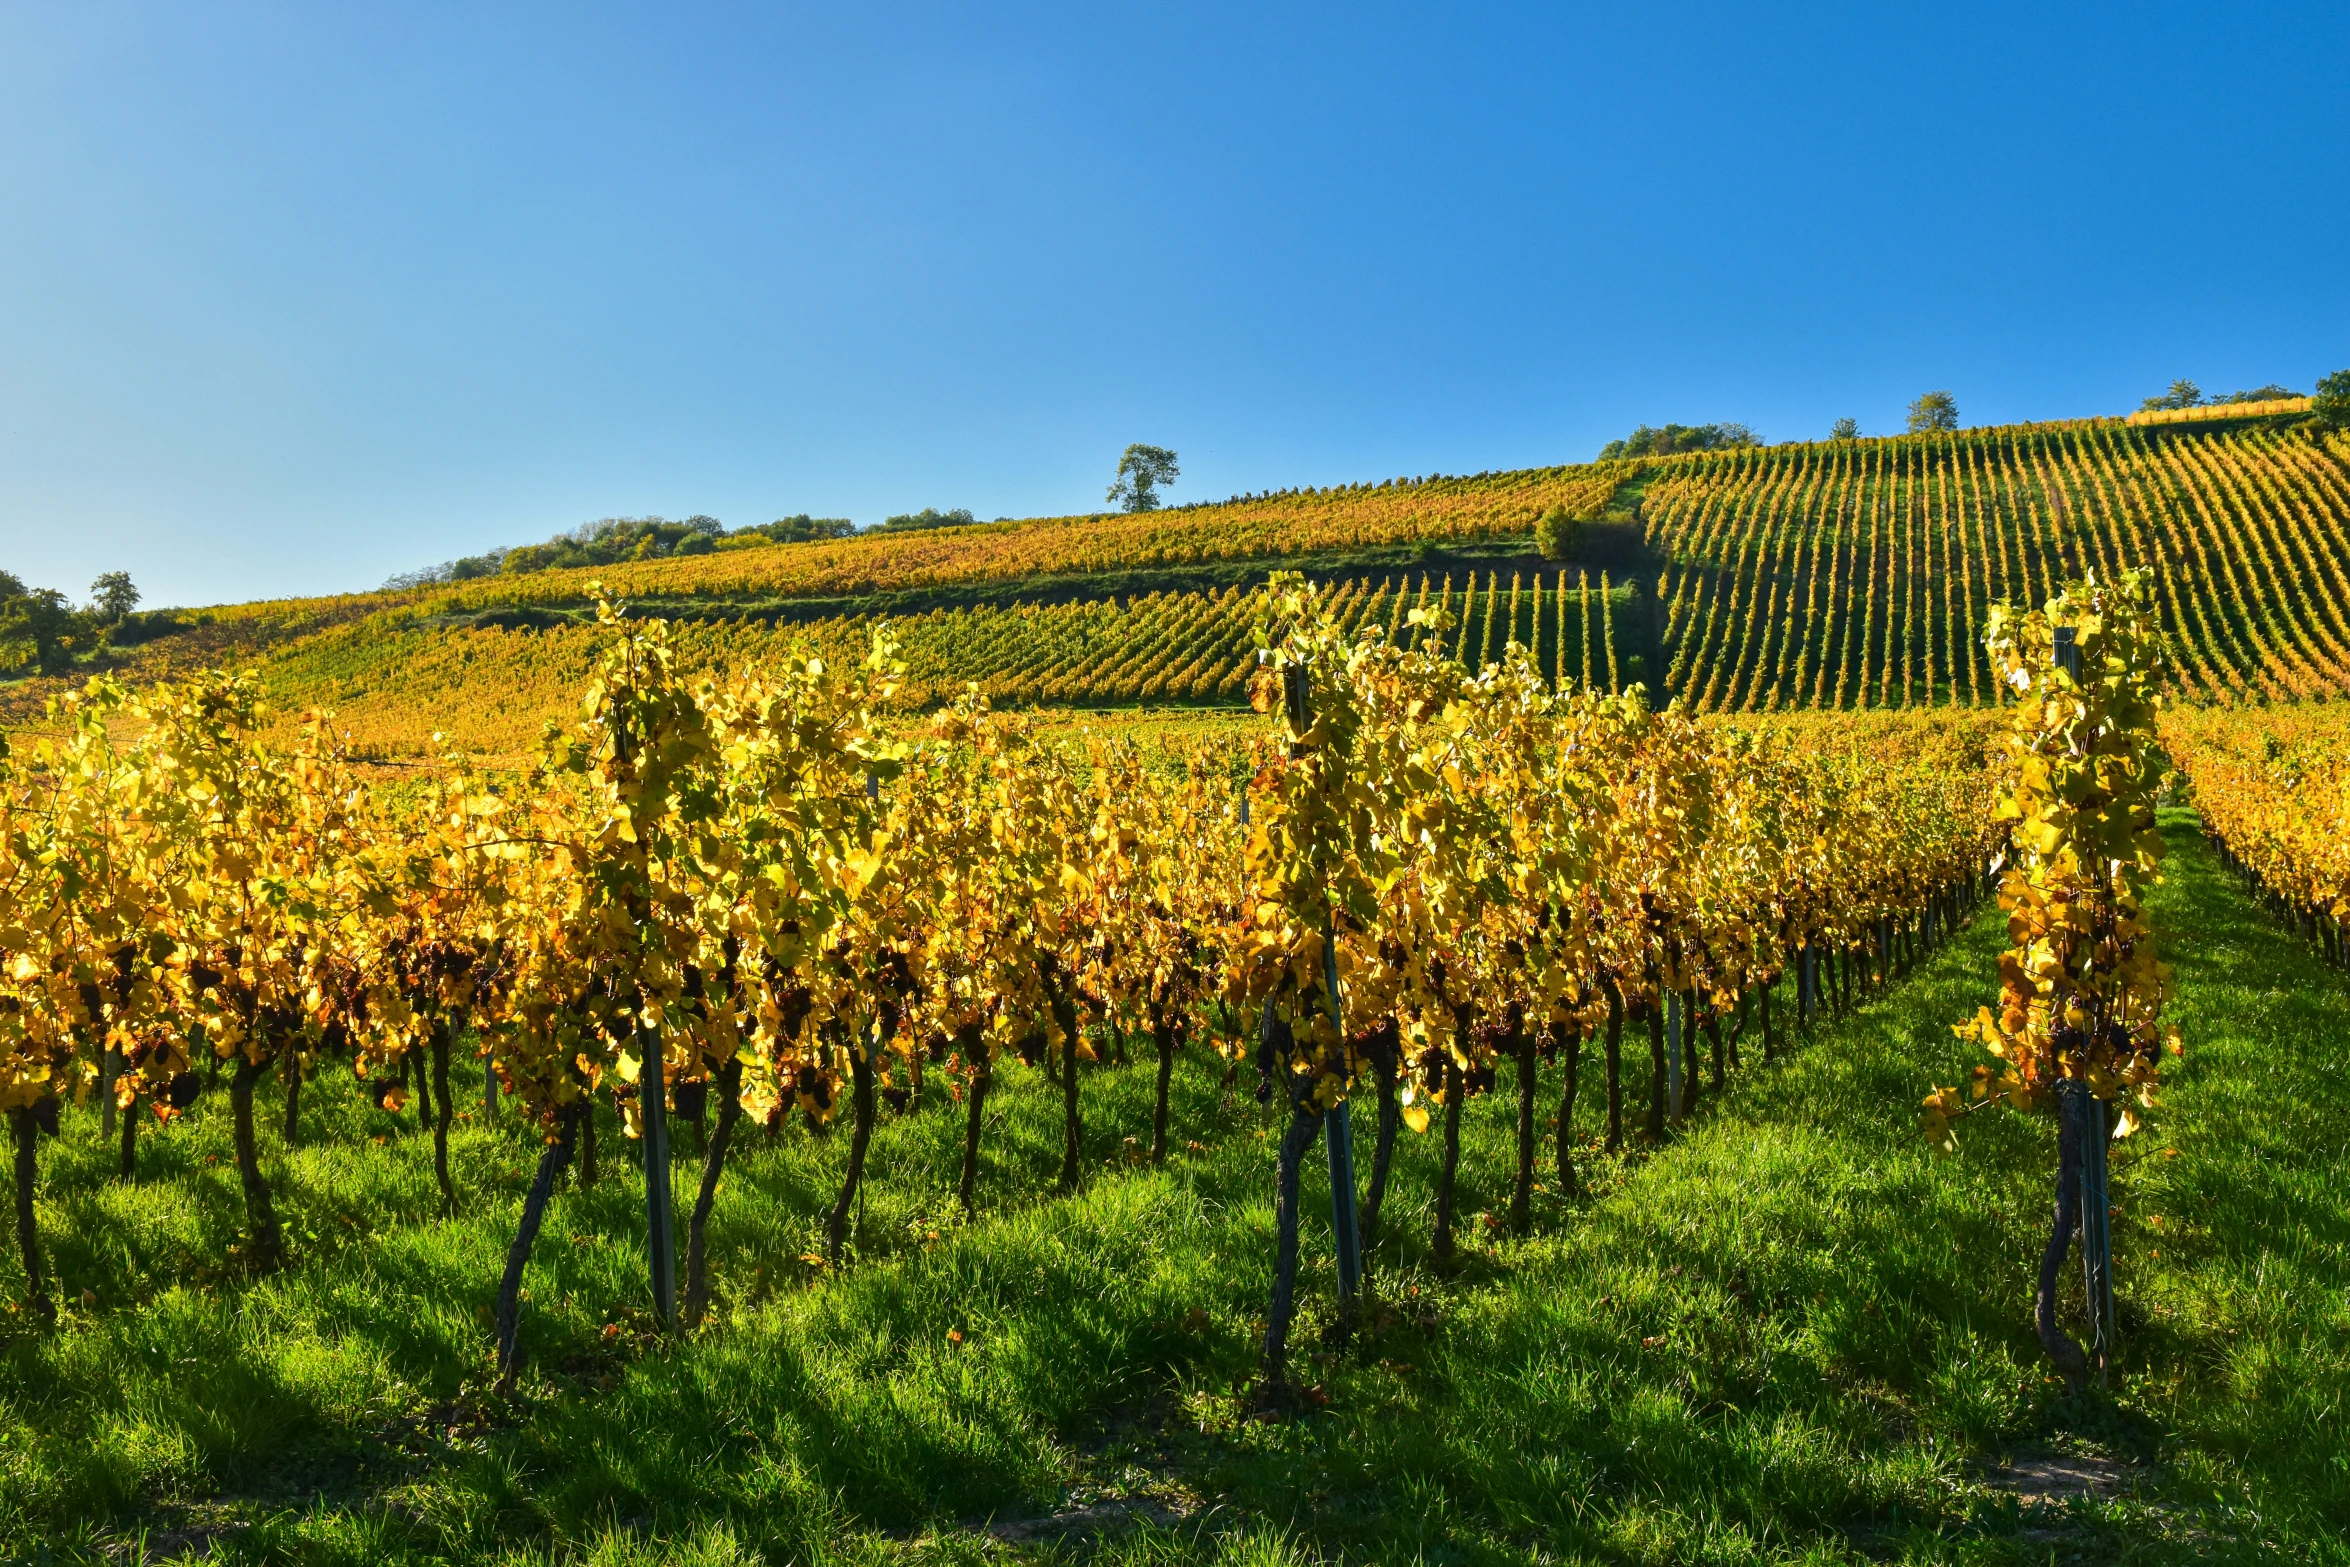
(298, 296)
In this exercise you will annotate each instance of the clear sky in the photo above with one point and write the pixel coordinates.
(296, 296)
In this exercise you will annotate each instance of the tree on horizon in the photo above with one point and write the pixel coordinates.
(1932, 412)
(1140, 473)
(112, 596)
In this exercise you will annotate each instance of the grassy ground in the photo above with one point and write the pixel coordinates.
(1789, 1336)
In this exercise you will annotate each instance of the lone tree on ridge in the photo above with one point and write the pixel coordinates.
(1934, 411)
(112, 597)
(1140, 473)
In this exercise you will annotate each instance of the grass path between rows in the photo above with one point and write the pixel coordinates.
(1792, 1335)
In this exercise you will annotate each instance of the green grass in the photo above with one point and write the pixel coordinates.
(1792, 1335)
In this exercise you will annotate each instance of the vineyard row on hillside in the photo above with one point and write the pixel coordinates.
(1836, 574)
(1859, 575)
(491, 690)
(1193, 541)
(1299, 523)
(2273, 788)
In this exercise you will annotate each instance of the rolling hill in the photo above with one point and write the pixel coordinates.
(1843, 575)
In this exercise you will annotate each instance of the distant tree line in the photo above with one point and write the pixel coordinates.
(927, 517)
(1667, 440)
(604, 542)
(1142, 472)
(610, 540)
(42, 632)
(800, 529)
(2186, 394)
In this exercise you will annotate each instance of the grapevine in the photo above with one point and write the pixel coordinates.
(2081, 991)
(754, 888)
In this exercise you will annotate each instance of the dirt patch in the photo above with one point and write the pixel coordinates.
(172, 1545)
(1101, 1517)
(2055, 1480)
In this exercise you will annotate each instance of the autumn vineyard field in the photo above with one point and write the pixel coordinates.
(1859, 576)
(491, 690)
(1294, 1030)
(1840, 575)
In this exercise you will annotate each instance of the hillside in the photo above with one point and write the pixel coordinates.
(1436, 523)
(396, 680)
(1191, 539)
(1858, 575)
(1831, 574)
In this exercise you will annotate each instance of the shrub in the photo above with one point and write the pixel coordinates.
(1556, 534)
(2331, 404)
